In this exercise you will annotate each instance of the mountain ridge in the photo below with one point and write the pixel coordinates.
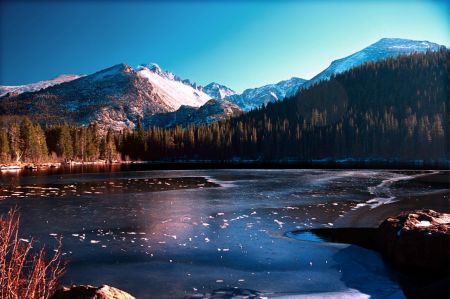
(116, 97)
(218, 91)
(381, 49)
(256, 97)
(36, 86)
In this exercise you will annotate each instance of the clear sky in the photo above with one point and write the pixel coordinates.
(240, 44)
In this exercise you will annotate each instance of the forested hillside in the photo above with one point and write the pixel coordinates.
(391, 109)
(395, 108)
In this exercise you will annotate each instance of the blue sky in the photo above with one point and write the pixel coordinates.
(237, 43)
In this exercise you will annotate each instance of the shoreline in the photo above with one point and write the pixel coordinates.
(361, 227)
(437, 199)
(58, 164)
(241, 164)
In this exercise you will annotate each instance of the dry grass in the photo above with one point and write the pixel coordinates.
(24, 273)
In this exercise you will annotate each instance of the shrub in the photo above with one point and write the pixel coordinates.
(24, 272)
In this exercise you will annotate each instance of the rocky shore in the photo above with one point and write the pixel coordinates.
(416, 243)
(432, 193)
(90, 292)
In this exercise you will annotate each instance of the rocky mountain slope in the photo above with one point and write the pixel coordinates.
(212, 111)
(256, 97)
(218, 91)
(114, 98)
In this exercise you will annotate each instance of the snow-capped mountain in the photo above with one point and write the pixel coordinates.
(173, 91)
(382, 49)
(37, 85)
(218, 91)
(114, 97)
(118, 96)
(256, 97)
(212, 111)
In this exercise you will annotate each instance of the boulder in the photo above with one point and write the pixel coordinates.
(417, 241)
(90, 292)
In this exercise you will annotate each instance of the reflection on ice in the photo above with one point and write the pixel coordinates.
(103, 187)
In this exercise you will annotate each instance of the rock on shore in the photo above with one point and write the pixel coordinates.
(90, 292)
(417, 241)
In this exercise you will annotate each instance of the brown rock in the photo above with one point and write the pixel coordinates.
(417, 241)
(90, 292)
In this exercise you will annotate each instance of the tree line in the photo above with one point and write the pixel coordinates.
(391, 109)
(28, 142)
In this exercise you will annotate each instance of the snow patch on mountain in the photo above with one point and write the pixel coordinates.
(155, 68)
(173, 91)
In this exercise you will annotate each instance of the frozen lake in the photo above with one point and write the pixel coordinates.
(187, 233)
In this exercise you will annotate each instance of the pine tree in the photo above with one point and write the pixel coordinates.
(110, 147)
(64, 144)
(92, 143)
(4, 147)
(42, 143)
(33, 145)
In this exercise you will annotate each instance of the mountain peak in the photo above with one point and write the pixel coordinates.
(256, 97)
(119, 67)
(218, 91)
(406, 44)
(214, 84)
(113, 71)
(392, 40)
(174, 91)
(382, 49)
(156, 69)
